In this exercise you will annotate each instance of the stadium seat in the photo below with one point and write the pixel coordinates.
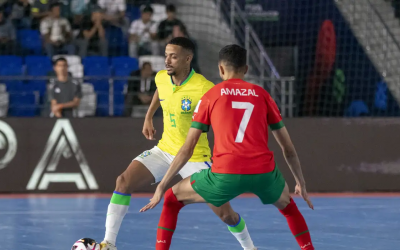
(38, 71)
(30, 40)
(157, 62)
(123, 66)
(132, 12)
(87, 106)
(95, 62)
(11, 62)
(38, 61)
(23, 104)
(101, 86)
(3, 88)
(159, 12)
(117, 42)
(12, 85)
(119, 104)
(76, 70)
(4, 101)
(124, 62)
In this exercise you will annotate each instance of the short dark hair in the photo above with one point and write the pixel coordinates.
(234, 56)
(171, 8)
(146, 64)
(184, 42)
(60, 59)
(146, 8)
(56, 4)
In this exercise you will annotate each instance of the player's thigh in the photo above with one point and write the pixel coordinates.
(284, 200)
(193, 167)
(155, 161)
(147, 168)
(268, 186)
(216, 189)
(184, 192)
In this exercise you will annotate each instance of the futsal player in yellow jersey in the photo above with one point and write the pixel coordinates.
(179, 89)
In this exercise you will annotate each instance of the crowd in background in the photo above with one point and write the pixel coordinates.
(79, 26)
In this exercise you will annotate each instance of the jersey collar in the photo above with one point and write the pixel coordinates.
(186, 80)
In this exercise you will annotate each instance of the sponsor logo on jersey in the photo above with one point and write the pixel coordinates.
(161, 100)
(145, 154)
(238, 92)
(186, 105)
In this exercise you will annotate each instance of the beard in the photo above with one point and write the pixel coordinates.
(172, 73)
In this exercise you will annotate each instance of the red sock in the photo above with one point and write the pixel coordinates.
(168, 220)
(297, 225)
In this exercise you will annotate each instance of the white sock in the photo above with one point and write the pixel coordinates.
(115, 215)
(242, 235)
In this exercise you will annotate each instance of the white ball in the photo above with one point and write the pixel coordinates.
(86, 244)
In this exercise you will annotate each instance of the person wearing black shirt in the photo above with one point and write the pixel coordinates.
(164, 32)
(92, 35)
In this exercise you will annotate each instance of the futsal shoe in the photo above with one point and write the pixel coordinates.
(105, 245)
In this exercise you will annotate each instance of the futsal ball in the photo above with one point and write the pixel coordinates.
(86, 244)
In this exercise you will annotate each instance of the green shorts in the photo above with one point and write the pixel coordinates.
(218, 189)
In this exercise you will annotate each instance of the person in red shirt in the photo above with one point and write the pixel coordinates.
(240, 114)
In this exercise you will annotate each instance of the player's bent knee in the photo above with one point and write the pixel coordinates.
(122, 184)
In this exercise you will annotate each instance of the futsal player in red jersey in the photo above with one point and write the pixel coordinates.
(240, 114)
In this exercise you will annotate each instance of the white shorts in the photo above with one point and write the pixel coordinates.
(158, 161)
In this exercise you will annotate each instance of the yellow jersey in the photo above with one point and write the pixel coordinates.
(178, 104)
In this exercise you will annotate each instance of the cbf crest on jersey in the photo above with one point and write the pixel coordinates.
(186, 105)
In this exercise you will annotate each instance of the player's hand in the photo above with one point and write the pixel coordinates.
(154, 201)
(148, 130)
(301, 190)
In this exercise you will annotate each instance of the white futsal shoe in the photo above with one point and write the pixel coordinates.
(105, 245)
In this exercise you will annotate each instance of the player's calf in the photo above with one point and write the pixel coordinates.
(134, 177)
(295, 219)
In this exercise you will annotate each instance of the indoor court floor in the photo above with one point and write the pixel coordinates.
(339, 222)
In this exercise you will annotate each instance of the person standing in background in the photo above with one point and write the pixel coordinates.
(65, 92)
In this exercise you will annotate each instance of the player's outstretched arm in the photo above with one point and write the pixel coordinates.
(283, 138)
(148, 128)
(183, 156)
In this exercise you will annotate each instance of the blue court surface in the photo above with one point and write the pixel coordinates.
(336, 223)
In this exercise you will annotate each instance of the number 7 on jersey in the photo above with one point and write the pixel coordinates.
(248, 107)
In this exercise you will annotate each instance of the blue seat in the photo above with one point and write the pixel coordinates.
(30, 40)
(11, 62)
(38, 61)
(90, 62)
(101, 86)
(23, 104)
(38, 84)
(132, 12)
(119, 104)
(125, 62)
(120, 83)
(117, 42)
(12, 85)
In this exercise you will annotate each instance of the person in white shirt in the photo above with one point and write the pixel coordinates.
(56, 32)
(143, 35)
(114, 11)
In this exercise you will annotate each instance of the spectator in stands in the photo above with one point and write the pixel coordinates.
(78, 10)
(40, 10)
(65, 92)
(20, 14)
(56, 32)
(141, 88)
(114, 11)
(143, 35)
(92, 35)
(7, 36)
(181, 31)
(164, 32)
